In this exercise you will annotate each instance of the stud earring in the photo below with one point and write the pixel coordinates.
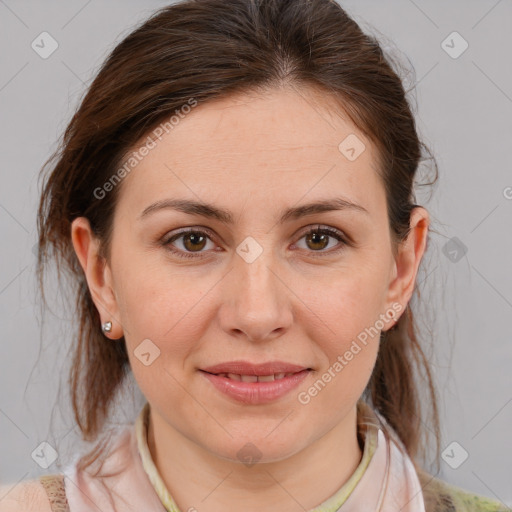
(106, 327)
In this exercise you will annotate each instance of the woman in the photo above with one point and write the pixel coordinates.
(234, 197)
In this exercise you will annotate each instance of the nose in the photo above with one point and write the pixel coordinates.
(256, 300)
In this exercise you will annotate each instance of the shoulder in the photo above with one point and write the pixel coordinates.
(25, 496)
(440, 496)
(474, 502)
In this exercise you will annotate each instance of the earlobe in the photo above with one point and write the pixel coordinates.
(97, 274)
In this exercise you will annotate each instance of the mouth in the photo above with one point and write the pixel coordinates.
(251, 389)
(244, 371)
(255, 378)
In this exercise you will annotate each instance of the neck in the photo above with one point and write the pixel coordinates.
(199, 479)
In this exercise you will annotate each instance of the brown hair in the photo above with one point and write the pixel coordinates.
(205, 49)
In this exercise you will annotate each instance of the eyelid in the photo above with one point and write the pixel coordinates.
(188, 229)
(324, 227)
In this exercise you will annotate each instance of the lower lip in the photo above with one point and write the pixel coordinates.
(256, 392)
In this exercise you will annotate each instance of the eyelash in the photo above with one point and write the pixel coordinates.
(334, 233)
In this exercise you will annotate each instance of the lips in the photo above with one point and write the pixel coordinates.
(235, 369)
(255, 378)
(255, 392)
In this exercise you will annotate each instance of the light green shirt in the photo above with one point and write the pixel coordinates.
(332, 504)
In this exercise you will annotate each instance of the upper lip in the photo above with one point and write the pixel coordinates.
(246, 368)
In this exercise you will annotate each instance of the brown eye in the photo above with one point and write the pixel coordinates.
(318, 238)
(192, 241)
(317, 241)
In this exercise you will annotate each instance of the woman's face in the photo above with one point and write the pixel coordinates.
(255, 286)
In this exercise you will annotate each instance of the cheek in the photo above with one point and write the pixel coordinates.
(151, 294)
(163, 316)
(350, 302)
(348, 349)
(163, 305)
(342, 321)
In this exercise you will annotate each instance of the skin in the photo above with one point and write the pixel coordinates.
(253, 155)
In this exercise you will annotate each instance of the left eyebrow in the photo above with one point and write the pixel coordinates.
(226, 217)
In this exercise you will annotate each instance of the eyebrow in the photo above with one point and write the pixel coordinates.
(226, 217)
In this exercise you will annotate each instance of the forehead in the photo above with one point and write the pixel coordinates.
(285, 140)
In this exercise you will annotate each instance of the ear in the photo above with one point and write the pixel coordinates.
(97, 273)
(408, 259)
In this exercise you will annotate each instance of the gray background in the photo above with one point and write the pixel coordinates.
(464, 107)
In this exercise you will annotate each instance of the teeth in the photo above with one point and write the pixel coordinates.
(266, 378)
(249, 378)
(255, 378)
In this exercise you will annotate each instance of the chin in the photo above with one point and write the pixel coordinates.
(249, 450)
